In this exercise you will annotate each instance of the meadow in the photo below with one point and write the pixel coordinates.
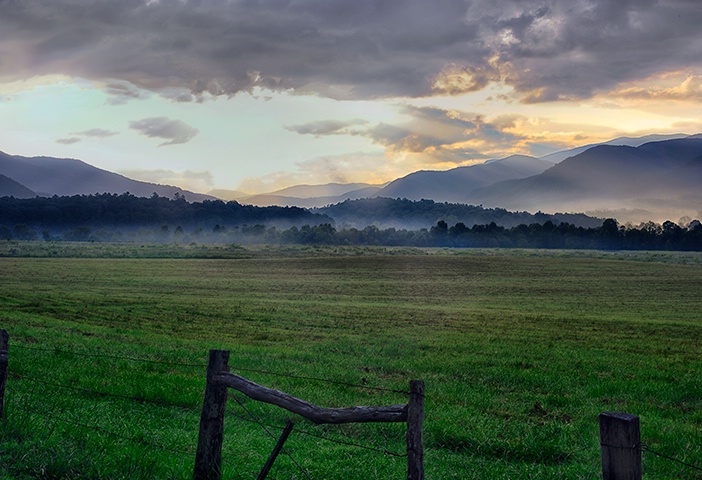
(520, 350)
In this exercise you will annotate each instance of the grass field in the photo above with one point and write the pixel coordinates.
(520, 351)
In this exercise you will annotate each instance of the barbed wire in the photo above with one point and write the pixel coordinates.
(36, 382)
(105, 431)
(256, 420)
(325, 380)
(107, 355)
(332, 440)
(351, 444)
(646, 448)
(204, 365)
(54, 418)
(106, 394)
(253, 419)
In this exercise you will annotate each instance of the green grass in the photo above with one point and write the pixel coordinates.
(520, 351)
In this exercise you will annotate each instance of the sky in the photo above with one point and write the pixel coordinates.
(258, 95)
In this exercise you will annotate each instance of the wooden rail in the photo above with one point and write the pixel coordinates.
(313, 413)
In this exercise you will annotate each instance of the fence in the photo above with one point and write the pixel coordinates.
(620, 438)
(208, 458)
(209, 450)
(620, 441)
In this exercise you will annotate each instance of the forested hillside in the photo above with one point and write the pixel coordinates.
(126, 210)
(404, 213)
(126, 218)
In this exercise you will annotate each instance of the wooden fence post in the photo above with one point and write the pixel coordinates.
(4, 342)
(620, 439)
(208, 459)
(415, 417)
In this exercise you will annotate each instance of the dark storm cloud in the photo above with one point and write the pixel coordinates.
(175, 131)
(553, 50)
(546, 49)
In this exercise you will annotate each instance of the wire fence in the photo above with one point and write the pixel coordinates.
(55, 416)
(645, 448)
(204, 365)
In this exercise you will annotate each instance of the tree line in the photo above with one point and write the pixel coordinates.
(609, 236)
(127, 218)
(120, 210)
(404, 213)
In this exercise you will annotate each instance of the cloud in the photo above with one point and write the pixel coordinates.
(68, 141)
(91, 133)
(435, 137)
(121, 92)
(356, 167)
(430, 138)
(326, 127)
(546, 50)
(195, 181)
(175, 131)
(96, 133)
(572, 50)
(676, 86)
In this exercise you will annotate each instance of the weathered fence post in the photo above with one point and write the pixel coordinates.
(620, 439)
(415, 417)
(208, 458)
(4, 342)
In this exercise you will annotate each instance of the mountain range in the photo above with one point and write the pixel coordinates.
(47, 176)
(655, 177)
(453, 185)
(661, 178)
(11, 188)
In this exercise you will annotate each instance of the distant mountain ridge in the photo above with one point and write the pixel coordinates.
(48, 176)
(455, 184)
(656, 177)
(416, 214)
(558, 157)
(11, 188)
(662, 177)
(310, 196)
(326, 190)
